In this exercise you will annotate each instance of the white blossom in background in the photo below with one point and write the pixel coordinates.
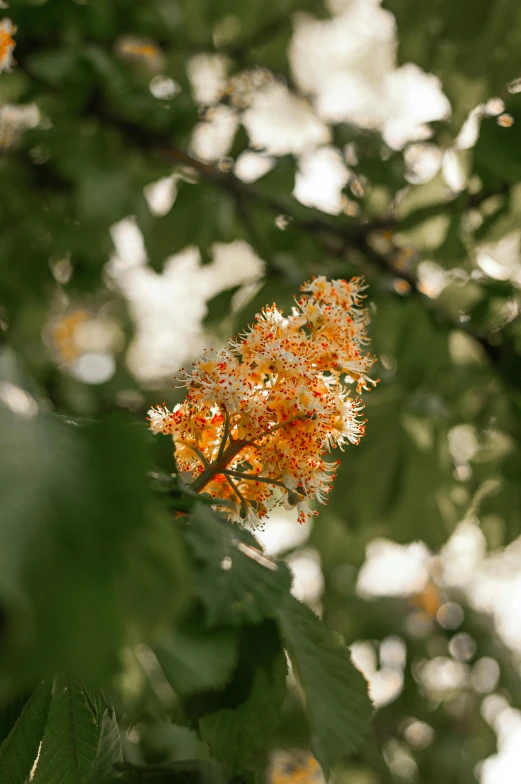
(423, 161)
(208, 76)
(234, 263)
(282, 123)
(463, 443)
(495, 588)
(463, 554)
(17, 400)
(469, 133)
(129, 248)
(492, 583)
(418, 734)
(213, 138)
(453, 172)
(400, 760)
(442, 674)
(250, 166)
(500, 260)
(385, 686)
(168, 308)
(503, 767)
(164, 88)
(282, 534)
(94, 367)
(338, 59)
(414, 98)
(432, 278)
(308, 580)
(392, 569)
(363, 655)
(348, 65)
(15, 119)
(322, 175)
(386, 682)
(161, 195)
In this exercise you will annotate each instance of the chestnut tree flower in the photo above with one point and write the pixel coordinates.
(7, 44)
(261, 415)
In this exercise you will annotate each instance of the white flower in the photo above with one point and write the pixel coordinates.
(160, 419)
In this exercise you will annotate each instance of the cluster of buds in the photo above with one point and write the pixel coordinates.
(7, 44)
(261, 415)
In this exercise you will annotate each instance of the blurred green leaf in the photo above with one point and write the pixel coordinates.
(19, 750)
(86, 530)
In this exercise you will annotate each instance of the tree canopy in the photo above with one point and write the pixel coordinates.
(167, 168)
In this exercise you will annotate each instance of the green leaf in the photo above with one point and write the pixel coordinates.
(10, 709)
(70, 741)
(335, 692)
(195, 661)
(237, 735)
(237, 583)
(19, 750)
(109, 751)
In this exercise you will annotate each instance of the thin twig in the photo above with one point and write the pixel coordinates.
(224, 436)
(236, 490)
(254, 478)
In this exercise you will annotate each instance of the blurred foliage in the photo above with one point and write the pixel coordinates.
(134, 623)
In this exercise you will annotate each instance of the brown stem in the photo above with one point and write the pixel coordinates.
(226, 430)
(236, 491)
(228, 455)
(216, 468)
(254, 478)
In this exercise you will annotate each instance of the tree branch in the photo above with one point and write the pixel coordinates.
(336, 239)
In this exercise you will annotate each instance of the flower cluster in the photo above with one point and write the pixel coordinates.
(14, 120)
(7, 44)
(261, 415)
(294, 767)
